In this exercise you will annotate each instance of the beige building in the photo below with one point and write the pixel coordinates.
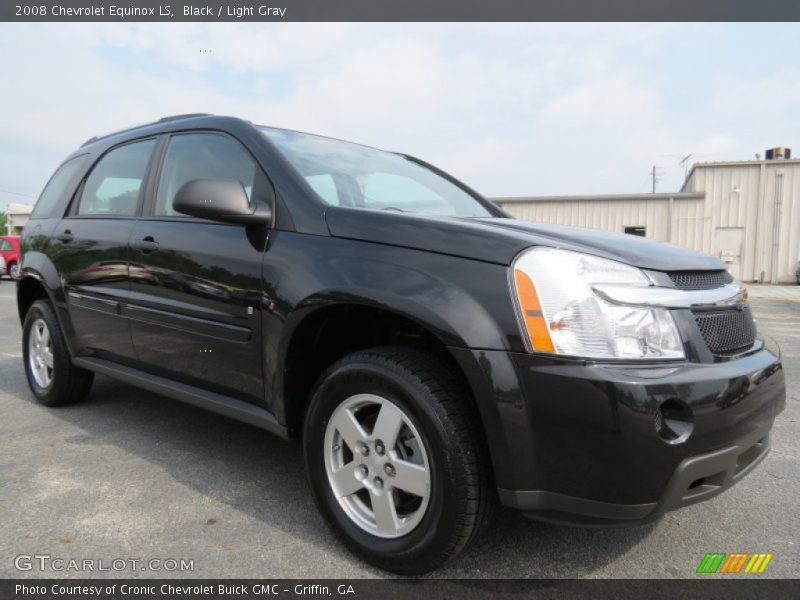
(746, 213)
(18, 215)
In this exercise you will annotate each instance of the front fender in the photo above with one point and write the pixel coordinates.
(463, 303)
(464, 324)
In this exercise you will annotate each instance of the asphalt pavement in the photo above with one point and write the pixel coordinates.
(135, 476)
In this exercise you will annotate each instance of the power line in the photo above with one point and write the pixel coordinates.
(18, 194)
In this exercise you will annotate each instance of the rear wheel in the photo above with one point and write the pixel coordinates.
(396, 458)
(13, 270)
(52, 377)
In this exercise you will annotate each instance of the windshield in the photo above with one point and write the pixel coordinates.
(347, 174)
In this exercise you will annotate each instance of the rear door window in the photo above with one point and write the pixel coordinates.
(114, 185)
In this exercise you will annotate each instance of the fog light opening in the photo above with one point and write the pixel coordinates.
(674, 422)
(697, 483)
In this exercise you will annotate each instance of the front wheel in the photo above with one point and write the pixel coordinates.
(396, 458)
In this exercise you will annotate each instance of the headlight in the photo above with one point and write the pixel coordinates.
(560, 313)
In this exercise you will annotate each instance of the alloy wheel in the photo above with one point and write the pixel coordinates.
(377, 465)
(40, 353)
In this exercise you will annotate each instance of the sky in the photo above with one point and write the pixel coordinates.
(510, 109)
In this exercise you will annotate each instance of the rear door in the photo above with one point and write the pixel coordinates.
(91, 248)
(196, 284)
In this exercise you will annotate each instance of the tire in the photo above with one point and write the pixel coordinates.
(59, 382)
(439, 432)
(13, 271)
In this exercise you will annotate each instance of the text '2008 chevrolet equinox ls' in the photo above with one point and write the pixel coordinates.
(434, 355)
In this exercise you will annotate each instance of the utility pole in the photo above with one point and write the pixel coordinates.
(655, 178)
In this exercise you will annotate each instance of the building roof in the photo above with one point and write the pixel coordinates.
(745, 163)
(739, 163)
(599, 197)
(19, 209)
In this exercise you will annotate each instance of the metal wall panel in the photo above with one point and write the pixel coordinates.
(608, 215)
(760, 198)
(763, 198)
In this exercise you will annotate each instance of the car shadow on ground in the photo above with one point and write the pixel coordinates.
(255, 472)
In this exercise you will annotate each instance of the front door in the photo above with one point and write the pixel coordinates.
(196, 284)
(90, 249)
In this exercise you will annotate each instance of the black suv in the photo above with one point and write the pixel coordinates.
(433, 354)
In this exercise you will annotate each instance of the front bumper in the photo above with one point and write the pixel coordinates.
(578, 441)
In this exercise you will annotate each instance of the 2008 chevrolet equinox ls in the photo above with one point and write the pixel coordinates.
(434, 355)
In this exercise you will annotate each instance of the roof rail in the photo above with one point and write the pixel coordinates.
(183, 116)
(161, 120)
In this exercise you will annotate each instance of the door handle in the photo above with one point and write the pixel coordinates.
(65, 237)
(145, 245)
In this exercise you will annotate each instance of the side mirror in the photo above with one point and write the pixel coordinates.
(220, 200)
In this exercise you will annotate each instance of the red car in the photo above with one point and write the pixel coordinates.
(9, 249)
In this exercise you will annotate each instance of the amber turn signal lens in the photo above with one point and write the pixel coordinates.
(532, 313)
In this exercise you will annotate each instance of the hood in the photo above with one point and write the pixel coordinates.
(499, 240)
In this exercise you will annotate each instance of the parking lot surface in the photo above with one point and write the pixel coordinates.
(132, 475)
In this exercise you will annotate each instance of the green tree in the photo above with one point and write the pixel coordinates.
(3, 221)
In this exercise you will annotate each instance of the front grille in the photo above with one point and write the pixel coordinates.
(727, 332)
(699, 280)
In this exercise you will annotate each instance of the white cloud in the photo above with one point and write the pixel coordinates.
(511, 108)
(611, 101)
